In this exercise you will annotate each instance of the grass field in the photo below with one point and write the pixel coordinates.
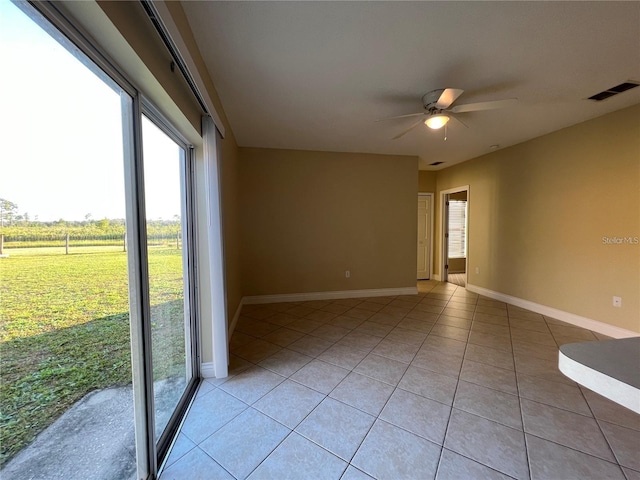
(64, 331)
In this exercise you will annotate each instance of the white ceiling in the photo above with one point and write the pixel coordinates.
(317, 75)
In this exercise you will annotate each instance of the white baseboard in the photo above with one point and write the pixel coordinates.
(304, 297)
(435, 277)
(207, 370)
(573, 319)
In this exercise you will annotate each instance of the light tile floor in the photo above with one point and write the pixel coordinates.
(444, 384)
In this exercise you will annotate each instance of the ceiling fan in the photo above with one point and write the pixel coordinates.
(438, 110)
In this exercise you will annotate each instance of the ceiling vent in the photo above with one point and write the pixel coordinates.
(623, 87)
(436, 163)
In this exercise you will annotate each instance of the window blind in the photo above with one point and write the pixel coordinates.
(457, 228)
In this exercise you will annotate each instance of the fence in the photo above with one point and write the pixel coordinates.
(68, 241)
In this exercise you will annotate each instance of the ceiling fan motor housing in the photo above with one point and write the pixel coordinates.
(430, 99)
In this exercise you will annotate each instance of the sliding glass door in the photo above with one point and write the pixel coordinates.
(97, 261)
(65, 350)
(169, 257)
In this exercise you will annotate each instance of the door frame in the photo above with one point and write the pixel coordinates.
(444, 217)
(189, 248)
(430, 228)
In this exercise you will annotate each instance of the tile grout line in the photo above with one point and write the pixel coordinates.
(518, 396)
(613, 453)
(377, 417)
(197, 444)
(396, 387)
(515, 371)
(352, 370)
(579, 451)
(455, 392)
(291, 430)
(466, 344)
(606, 439)
(250, 406)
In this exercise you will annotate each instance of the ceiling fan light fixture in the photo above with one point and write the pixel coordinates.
(436, 121)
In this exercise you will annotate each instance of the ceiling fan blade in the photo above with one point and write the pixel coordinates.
(448, 97)
(408, 130)
(400, 116)
(476, 107)
(459, 121)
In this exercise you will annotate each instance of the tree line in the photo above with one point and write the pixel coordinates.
(14, 225)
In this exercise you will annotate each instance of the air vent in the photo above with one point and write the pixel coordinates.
(436, 163)
(623, 87)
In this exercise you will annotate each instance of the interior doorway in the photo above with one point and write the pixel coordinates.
(425, 219)
(455, 241)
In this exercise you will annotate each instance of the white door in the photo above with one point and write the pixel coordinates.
(424, 236)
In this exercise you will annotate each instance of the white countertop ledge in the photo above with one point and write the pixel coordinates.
(610, 368)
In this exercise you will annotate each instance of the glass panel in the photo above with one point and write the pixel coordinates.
(65, 348)
(164, 162)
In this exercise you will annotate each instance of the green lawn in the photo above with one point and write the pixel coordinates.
(64, 331)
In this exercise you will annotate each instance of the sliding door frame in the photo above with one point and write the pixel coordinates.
(191, 311)
(149, 454)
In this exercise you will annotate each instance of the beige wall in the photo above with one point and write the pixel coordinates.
(229, 176)
(426, 181)
(309, 216)
(539, 212)
(458, 196)
(457, 265)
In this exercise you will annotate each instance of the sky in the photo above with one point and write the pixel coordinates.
(61, 134)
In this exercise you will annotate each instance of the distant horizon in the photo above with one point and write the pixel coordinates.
(21, 222)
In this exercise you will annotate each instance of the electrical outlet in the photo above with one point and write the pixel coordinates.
(617, 302)
(347, 274)
(477, 270)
